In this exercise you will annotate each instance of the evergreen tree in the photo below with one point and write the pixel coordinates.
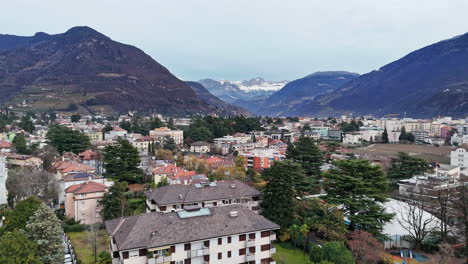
(45, 229)
(170, 123)
(169, 144)
(360, 188)
(75, 118)
(22, 212)
(306, 153)
(65, 139)
(122, 161)
(279, 196)
(20, 144)
(402, 136)
(385, 136)
(26, 124)
(403, 166)
(107, 128)
(114, 202)
(16, 248)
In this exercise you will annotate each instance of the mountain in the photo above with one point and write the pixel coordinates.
(427, 82)
(86, 71)
(218, 104)
(232, 91)
(297, 97)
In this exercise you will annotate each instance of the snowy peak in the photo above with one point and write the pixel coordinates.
(258, 84)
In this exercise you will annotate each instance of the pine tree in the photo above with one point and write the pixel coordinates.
(45, 229)
(280, 194)
(20, 144)
(122, 161)
(385, 136)
(403, 166)
(403, 135)
(360, 188)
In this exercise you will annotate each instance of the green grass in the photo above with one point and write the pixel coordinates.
(287, 254)
(83, 246)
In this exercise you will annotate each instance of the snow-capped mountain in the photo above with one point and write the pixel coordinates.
(231, 91)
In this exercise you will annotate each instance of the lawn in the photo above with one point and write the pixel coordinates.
(83, 246)
(287, 254)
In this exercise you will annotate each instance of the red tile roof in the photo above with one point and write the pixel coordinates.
(172, 171)
(66, 167)
(118, 129)
(5, 144)
(88, 155)
(87, 187)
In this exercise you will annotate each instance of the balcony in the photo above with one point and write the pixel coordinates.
(160, 259)
(251, 257)
(272, 250)
(273, 236)
(198, 252)
(250, 243)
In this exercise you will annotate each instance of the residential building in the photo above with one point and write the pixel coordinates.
(82, 202)
(159, 134)
(421, 135)
(352, 138)
(218, 235)
(209, 194)
(5, 146)
(115, 133)
(78, 178)
(322, 131)
(172, 173)
(262, 158)
(200, 147)
(3, 178)
(334, 134)
(92, 159)
(459, 157)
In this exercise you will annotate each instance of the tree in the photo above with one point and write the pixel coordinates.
(416, 221)
(306, 153)
(359, 188)
(114, 202)
(279, 196)
(403, 166)
(65, 139)
(15, 248)
(162, 182)
(121, 161)
(335, 252)
(163, 154)
(26, 182)
(26, 124)
(93, 233)
(365, 248)
(104, 258)
(21, 213)
(45, 229)
(20, 144)
(170, 123)
(385, 136)
(169, 143)
(199, 133)
(107, 128)
(460, 207)
(75, 118)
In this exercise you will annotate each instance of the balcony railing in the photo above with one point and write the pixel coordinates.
(160, 259)
(198, 252)
(273, 236)
(251, 257)
(251, 243)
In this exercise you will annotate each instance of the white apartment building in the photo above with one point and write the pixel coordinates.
(459, 157)
(218, 235)
(177, 197)
(159, 134)
(3, 178)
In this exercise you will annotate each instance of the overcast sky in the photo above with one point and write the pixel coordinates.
(241, 39)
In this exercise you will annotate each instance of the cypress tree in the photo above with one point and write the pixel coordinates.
(385, 136)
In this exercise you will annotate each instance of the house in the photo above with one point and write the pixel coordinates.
(200, 147)
(172, 173)
(92, 159)
(24, 160)
(115, 133)
(78, 178)
(82, 202)
(459, 157)
(262, 158)
(159, 134)
(63, 168)
(230, 234)
(5, 146)
(352, 138)
(209, 194)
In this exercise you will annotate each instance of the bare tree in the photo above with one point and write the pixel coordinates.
(442, 209)
(461, 216)
(24, 182)
(93, 234)
(416, 220)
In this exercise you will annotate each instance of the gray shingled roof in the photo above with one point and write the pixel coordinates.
(136, 231)
(170, 194)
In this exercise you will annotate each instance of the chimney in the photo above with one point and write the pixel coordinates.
(233, 214)
(180, 196)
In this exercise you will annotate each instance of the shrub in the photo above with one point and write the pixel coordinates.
(335, 252)
(365, 248)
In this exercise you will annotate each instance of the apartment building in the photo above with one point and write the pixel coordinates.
(3, 178)
(459, 157)
(205, 195)
(160, 133)
(82, 202)
(218, 235)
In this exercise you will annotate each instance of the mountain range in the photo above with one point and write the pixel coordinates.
(86, 71)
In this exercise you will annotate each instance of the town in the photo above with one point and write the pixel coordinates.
(139, 188)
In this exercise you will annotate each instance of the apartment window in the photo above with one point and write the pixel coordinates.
(215, 204)
(206, 243)
(265, 247)
(241, 237)
(172, 249)
(220, 241)
(115, 254)
(242, 251)
(229, 254)
(187, 261)
(252, 236)
(229, 240)
(206, 258)
(220, 255)
(82, 195)
(177, 262)
(265, 233)
(142, 252)
(125, 254)
(187, 246)
(252, 249)
(162, 208)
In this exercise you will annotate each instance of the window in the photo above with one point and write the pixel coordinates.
(187, 261)
(241, 237)
(220, 241)
(252, 249)
(229, 254)
(265, 247)
(178, 262)
(125, 254)
(172, 249)
(242, 251)
(265, 233)
(115, 254)
(206, 258)
(252, 236)
(142, 252)
(187, 246)
(220, 255)
(229, 240)
(206, 243)
(82, 195)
